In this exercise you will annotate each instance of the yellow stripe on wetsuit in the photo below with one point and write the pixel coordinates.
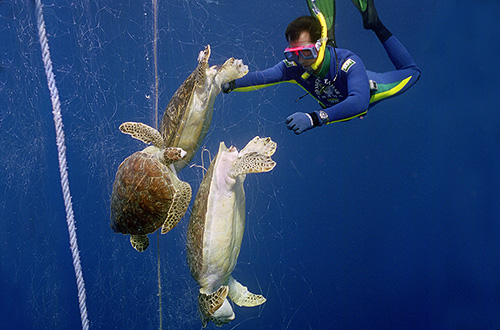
(390, 92)
(379, 96)
(256, 87)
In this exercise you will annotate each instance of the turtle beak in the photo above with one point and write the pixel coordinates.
(204, 54)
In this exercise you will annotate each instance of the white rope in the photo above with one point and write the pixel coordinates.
(61, 148)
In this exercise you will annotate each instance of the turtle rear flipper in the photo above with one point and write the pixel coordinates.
(178, 207)
(240, 295)
(139, 242)
(143, 132)
(215, 307)
(252, 162)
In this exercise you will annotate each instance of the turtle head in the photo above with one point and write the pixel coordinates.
(224, 149)
(204, 55)
(225, 157)
(172, 154)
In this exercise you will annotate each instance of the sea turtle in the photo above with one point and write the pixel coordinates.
(188, 114)
(147, 194)
(216, 227)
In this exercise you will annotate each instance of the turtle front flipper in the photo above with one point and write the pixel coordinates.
(139, 242)
(231, 70)
(252, 162)
(240, 295)
(264, 146)
(178, 207)
(143, 132)
(215, 307)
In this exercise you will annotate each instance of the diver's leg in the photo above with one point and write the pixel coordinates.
(391, 83)
(397, 53)
(395, 82)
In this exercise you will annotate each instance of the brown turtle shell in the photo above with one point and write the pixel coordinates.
(142, 195)
(196, 226)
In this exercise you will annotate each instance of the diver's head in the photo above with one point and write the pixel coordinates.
(303, 35)
(303, 23)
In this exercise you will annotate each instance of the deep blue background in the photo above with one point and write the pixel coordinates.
(390, 222)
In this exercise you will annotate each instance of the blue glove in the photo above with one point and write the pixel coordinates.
(227, 87)
(299, 122)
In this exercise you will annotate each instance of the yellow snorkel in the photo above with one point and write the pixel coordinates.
(323, 40)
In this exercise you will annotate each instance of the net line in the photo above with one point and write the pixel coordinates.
(63, 170)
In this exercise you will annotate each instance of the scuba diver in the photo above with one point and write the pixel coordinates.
(335, 77)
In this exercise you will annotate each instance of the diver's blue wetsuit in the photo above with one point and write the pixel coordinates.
(344, 90)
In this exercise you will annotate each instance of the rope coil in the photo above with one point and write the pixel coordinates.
(63, 168)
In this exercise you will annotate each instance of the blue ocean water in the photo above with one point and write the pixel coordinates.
(390, 222)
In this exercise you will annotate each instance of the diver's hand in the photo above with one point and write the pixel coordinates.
(227, 87)
(299, 122)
